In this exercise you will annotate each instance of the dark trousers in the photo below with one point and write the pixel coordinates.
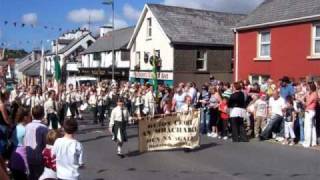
(238, 130)
(62, 113)
(224, 127)
(35, 171)
(275, 125)
(94, 111)
(53, 120)
(73, 109)
(101, 112)
(18, 175)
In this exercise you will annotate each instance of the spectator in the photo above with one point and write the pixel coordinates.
(214, 102)
(205, 126)
(49, 160)
(276, 107)
(237, 113)
(309, 126)
(178, 99)
(68, 152)
(224, 117)
(35, 142)
(260, 114)
(18, 163)
(286, 88)
(289, 119)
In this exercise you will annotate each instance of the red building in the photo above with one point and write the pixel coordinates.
(280, 37)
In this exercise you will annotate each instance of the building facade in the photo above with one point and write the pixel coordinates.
(191, 44)
(272, 43)
(97, 59)
(69, 48)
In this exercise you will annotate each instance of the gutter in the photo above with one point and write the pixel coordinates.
(278, 23)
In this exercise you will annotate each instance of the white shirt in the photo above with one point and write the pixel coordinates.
(277, 106)
(116, 115)
(69, 154)
(192, 93)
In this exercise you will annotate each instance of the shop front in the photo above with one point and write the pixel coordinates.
(143, 77)
(120, 74)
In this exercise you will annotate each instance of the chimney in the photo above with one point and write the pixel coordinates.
(104, 30)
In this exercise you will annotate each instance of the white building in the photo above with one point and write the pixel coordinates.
(69, 48)
(97, 59)
(190, 43)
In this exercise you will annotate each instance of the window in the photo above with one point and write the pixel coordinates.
(157, 53)
(201, 63)
(258, 79)
(149, 28)
(138, 58)
(316, 40)
(97, 56)
(264, 48)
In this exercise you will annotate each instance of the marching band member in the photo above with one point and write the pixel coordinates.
(101, 106)
(29, 99)
(71, 100)
(50, 110)
(93, 104)
(117, 126)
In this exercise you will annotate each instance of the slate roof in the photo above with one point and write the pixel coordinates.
(281, 10)
(33, 69)
(193, 26)
(64, 41)
(104, 44)
(72, 43)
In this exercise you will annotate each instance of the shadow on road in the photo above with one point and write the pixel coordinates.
(95, 138)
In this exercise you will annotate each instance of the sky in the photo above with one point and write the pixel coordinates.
(42, 19)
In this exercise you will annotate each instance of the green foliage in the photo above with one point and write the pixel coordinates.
(10, 53)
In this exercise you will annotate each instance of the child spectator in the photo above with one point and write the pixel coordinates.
(68, 152)
(49, 159)
(289, 118)
(18, 161)
(34, 142)
(260, 114)
(224, 116)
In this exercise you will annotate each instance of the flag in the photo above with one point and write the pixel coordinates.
(57, 69)
(154, 74)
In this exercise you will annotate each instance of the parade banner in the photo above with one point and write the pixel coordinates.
(169, 132)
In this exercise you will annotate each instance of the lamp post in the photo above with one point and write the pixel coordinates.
(111, 2)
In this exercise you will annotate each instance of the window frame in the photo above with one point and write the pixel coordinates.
(260, 44)
(149, 28)
(94, 56)
(314, 39)
(137, 60)
(204, 59)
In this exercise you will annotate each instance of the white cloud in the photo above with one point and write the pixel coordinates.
(30, 18)
(130, 12)
(238, 6)
(84, 15)
(119, 23)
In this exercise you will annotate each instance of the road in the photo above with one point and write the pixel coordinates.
(214, 160)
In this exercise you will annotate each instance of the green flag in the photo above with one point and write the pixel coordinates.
(57, 69)
(154, 75)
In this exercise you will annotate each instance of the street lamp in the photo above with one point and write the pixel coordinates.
(111, 2)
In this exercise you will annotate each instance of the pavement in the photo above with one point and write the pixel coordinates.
(215, 159)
